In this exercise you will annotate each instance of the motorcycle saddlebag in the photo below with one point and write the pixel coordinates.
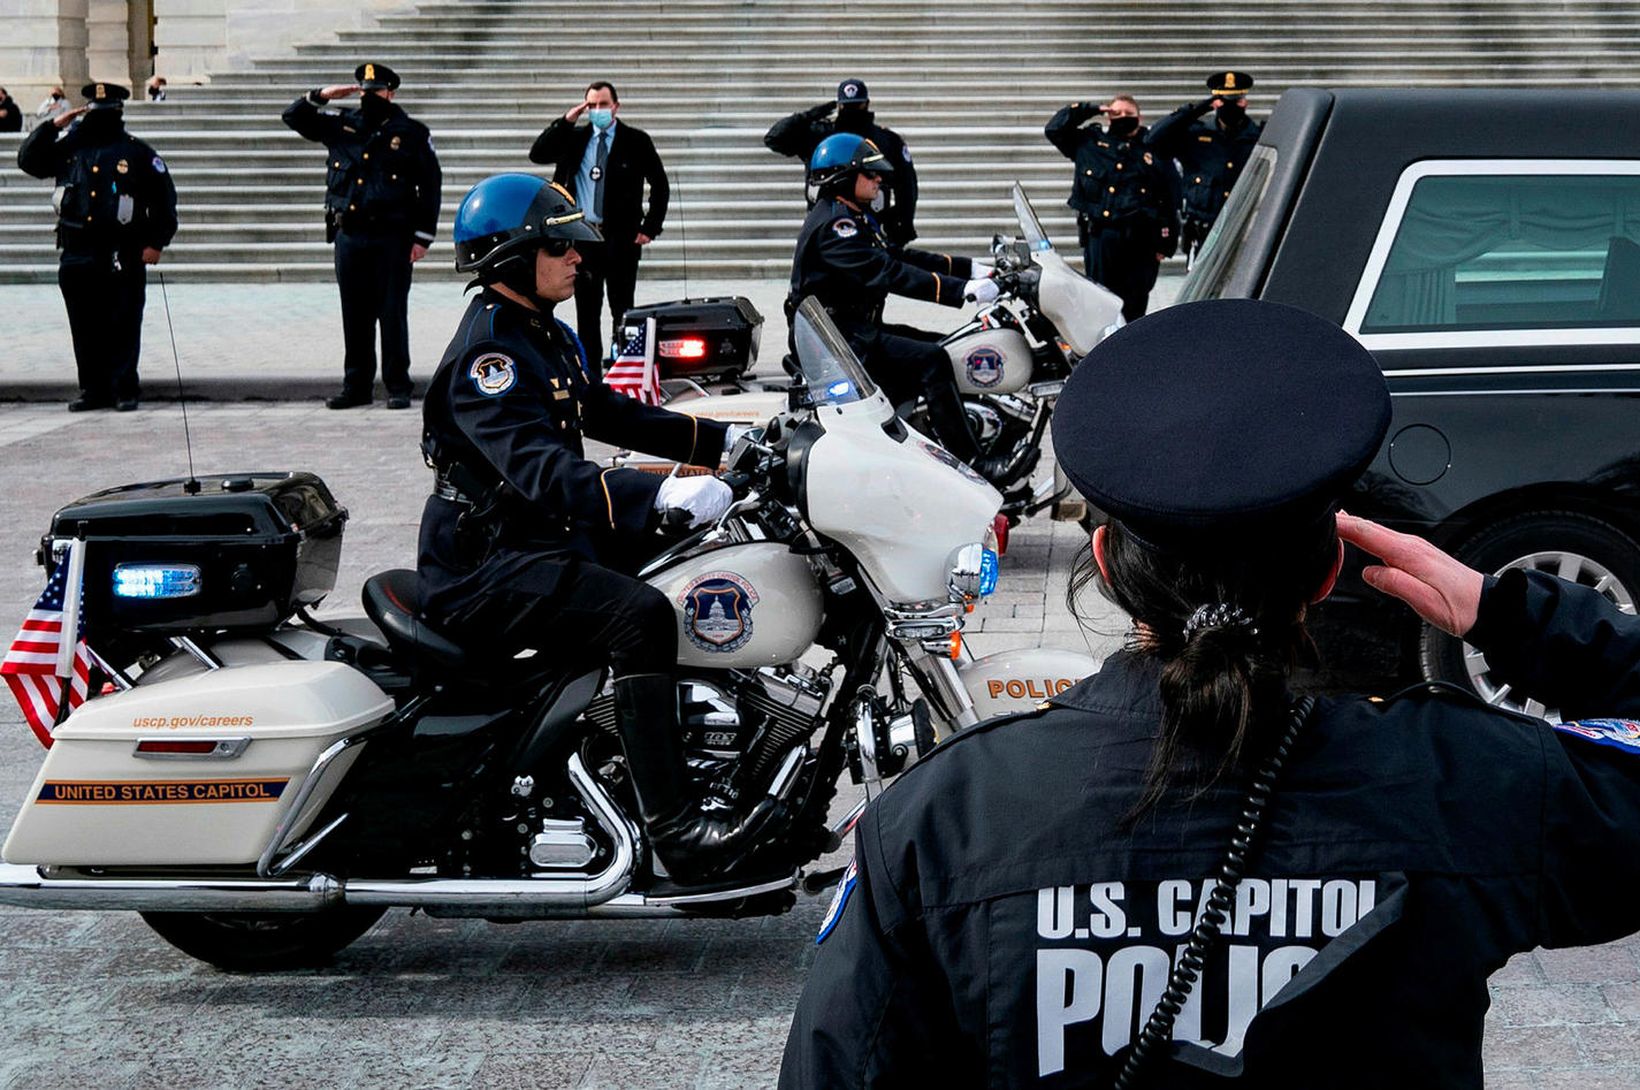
(700, 338)
(241, 553)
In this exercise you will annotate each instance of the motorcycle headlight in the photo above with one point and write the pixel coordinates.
(974, 570)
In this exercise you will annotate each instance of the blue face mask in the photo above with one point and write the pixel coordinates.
(601, 119)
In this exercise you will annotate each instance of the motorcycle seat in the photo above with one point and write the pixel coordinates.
(392, 599)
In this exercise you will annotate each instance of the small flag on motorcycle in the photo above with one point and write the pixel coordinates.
(633, 370)
(48, 651)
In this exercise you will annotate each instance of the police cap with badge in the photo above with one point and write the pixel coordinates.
(375, 77)
(105, 96)
(852, 92)
(1217, 416)
(1229, 84)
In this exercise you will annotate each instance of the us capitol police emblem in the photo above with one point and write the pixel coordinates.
(493, 374)
(717, 611)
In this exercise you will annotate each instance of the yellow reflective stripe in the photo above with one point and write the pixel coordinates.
(936, 277)
(609, 501)
(694, 438)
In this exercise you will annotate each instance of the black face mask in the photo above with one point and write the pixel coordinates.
(1232, 114)
(375, 108)
(100, 124)
(854, 119)
(1123, 127)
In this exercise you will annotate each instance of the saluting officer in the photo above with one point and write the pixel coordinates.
(381, 211)
(1211, 154)
(1260, 889)
(524, 542)
(1126, 198)
(116, 212)
(848, 264)
(797, 135)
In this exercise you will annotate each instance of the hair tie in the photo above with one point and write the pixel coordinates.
(1219, 615)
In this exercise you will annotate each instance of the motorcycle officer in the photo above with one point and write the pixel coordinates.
(845, 261)
(523, 537)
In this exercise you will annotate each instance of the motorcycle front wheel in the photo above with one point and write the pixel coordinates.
(255, 942)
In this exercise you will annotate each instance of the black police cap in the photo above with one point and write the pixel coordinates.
(101, 95)
(852, 91)
(1234, 84)
(376, 77)
(1220, 415)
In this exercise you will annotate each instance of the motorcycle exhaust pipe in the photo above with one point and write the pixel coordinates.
(27, 887)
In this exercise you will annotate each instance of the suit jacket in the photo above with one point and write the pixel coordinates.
(632, 162)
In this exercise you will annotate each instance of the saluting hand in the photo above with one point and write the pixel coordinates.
(1441, 589)
(574, 113)
(63, 120)
(338, 90)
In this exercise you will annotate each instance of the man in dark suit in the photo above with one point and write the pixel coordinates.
(606, 165)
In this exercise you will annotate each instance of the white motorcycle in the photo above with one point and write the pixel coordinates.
(262, 790)
(1010, 361)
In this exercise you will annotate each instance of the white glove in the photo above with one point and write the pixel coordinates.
(983, 290)
(704, 497)
(982, 268)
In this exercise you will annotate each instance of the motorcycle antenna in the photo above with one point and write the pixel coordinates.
(683, 231)
(191, 485)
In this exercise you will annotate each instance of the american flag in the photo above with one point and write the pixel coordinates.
(633, 371)
(48, 650)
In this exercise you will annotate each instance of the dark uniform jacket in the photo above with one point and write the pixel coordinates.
(1000, 931)
(1119, 183)
(114, 194)
(799, 134)
(11, 116)
(845, 260)
(633, 161)
(380, 180)
(511, 402)
(1210, 158)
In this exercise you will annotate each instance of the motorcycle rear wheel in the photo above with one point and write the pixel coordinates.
(255, 942)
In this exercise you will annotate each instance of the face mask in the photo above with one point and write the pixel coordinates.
(601, 119)
(1232, 114)
(374, 107)
(1124, 126)
(853, 119)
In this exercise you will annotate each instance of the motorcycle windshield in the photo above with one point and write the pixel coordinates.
(830, 368)
(1030, 228)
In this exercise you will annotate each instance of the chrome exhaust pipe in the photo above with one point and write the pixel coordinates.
(66, 888)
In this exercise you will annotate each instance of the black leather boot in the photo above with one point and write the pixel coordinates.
(693, 843)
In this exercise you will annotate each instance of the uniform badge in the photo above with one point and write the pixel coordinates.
(493, 374)
(595, 173)
(845, 228)
(839, 901)
(393, 144)
(717, 611)
(1148, 159)
(984, 367)
(850, 90)
(123, 166)
(1621, 734)
(159, 165)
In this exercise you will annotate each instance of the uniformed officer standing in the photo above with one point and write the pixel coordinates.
(1262, 890)
(1211, 154)
(1126, 198)
(381, 211)
(846, 262)
(116, 212)
(799, 134)
(522, 540)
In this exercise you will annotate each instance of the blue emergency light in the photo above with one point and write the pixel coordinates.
(156, 580)
(989, 572)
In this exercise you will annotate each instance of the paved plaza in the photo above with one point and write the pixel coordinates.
(98, 1000)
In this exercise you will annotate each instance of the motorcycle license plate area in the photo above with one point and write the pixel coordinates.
(130, 779)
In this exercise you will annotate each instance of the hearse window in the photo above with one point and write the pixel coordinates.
(1218, 253)
(1500, 251)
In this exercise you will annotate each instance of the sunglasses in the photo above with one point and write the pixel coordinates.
(873, 175)
(557, 247)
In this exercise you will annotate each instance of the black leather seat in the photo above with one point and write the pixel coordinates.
(392, 599)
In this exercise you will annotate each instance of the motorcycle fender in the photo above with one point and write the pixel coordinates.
(990, 361)
(1010, 682)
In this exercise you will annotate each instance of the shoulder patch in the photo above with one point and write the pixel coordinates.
(1621, 734)
(159, 165)
(905, 152)
(493, 374)
(845, 227)
(839, 901)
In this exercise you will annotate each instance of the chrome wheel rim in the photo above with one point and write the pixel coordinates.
(1572, 567)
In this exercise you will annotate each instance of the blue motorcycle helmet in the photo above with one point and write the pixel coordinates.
(505, 218)
(840, 156)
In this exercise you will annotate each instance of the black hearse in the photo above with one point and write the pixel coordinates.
(1485, 245)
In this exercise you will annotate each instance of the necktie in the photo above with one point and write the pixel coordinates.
(598, 184)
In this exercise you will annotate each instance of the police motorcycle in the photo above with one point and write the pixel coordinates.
(1010, 359)
(263, 788)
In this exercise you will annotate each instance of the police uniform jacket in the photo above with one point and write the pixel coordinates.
(1002, 929)
(1210, 157)
(511, 402)
(381, 179)
(1119, 183)
(799, 134)
(114, 194)
(633, 161)
(846, 261)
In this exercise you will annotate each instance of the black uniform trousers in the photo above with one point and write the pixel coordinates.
(105, 293)
(908, 362)
(373, 274)
(1123, 259)
(606, 267)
